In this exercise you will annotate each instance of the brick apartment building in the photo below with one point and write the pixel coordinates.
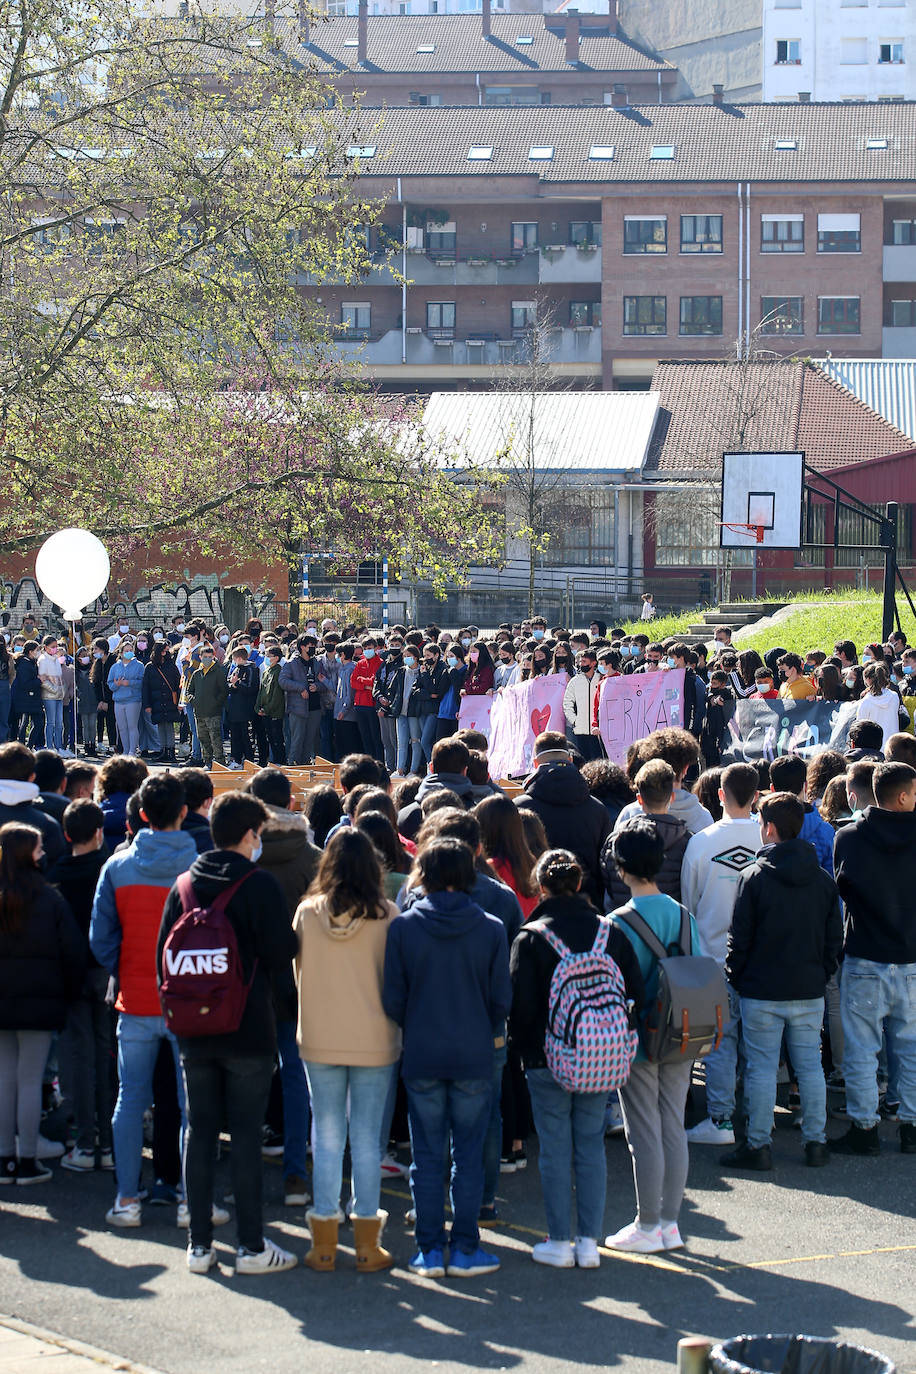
(638, 232)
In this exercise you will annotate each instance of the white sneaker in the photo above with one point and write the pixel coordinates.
(201, 1260)
(559, 1254)
(586, 1249)
(392, 1169)
(124, 1213)
(270, 1260)
(106, 1162)
(634, 1238)
(218, 1215)
(671, 1236)
(48, 1149)
(67, 754)
(711, 1132)
(79, 1161)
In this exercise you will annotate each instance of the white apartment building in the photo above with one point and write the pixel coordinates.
(839, 49)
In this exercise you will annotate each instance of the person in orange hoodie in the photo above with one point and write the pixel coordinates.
(366, 663)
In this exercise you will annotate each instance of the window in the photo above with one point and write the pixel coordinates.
(515, 95)
(479, 152)
(686, 534)
(105, 235)
(540, 154)
(701, 315)
(785, 145)
(420, 98)
(524, 236)
(892, 51)
(903, 231)
(356, 318)
(838, 314)
(585, 312)
(701, 233)
(854, 52)
(524, 40)
(585, 530)
(875, 145)
(662, 152)
(645, 315)
(426, 48)
(584, 231)
(902, 314)
(782, 233)
(645, 235)
(788, 52)
(781, 315)
(363, 150)
(441, 239)
(49, 237)
(601, 152)
(524, 315)
(440, 319)
(839, 234)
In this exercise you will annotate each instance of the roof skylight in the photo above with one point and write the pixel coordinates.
(479, 152)
(361, 150)
(786, 145)
(540, 154)
(601, 152)
(662, 152)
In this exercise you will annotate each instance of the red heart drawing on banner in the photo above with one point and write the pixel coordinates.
(540, 719)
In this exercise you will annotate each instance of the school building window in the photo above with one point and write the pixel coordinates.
(645, 315)
(701, 315)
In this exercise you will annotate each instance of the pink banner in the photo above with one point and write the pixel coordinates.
(632, 707)
(517, 715)
(474, 714)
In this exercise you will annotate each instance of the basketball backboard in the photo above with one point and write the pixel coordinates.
(763, 490)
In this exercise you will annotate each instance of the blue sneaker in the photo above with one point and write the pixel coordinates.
(429, 1263)
(461, 1265)
(163, 1194)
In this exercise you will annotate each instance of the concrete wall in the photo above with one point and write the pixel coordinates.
(834, 40)
(707, 43)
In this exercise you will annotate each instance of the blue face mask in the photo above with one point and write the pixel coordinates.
(369, 653)
(409, 660)
(868, 658)
(127, 655)
(671, 661)
(602, 669)
(909, 669)
(538, 634)
(452, 661)
(257, 852)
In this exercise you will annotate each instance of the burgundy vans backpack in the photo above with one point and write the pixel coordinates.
(203, 991)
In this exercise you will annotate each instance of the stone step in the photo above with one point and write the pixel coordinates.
(737, 618)
(760, 608)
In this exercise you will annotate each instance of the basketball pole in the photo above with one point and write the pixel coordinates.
(754, 572)
(889, 540)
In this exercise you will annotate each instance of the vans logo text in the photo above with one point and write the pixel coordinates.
(197, 961)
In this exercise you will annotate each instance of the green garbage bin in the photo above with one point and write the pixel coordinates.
(795, 1355)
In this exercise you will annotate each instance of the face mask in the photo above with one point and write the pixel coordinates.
(180, 628)
(868, 658)
(257, 852)
(465, 642)
(505, 658)
(6, 636)
(123, 629)
(206, 659)
(452, 661)
(224, 639)
(98, 654)
(141, 643)
(410, 660)
(809, 668)
(849, 679)
(127, 655)
(369, 653)
(157, 636)
(909, 669)
(894, 678)
(538, 634)
(783, 675)
(473, 655)
(84, 661)
(602, 669)
(670, 661)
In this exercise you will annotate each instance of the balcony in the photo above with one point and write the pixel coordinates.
(898, 342)
(570, 263)
(899, 262)
(424, 269)
(433, 348)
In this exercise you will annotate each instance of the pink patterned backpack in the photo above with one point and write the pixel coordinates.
(590, 1042)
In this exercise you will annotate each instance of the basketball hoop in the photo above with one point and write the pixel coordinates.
(754, 532)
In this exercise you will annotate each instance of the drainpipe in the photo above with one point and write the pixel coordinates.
(740, 282)
(659, 75)
(403, 206)
(747, 270)
(479, 91)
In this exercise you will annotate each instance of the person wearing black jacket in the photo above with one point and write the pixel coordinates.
(21, 801)
(231, 1073)
(573, 819)
(388, 695)
(243, 680)
(25, 696)
(102, 662)
(87, 1043)
(161, 689)
(42, 965)
(783, 947)
(428, 690)
(875, 865)
(570, 1126)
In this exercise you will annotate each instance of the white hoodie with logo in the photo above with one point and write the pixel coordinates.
(713, 862)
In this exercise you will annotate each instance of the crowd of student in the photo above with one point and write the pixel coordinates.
(397, 945)
(282, 696)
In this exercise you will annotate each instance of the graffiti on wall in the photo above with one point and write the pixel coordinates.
(202, 598)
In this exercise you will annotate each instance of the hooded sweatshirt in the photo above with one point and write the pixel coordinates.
(21, 802)
(684, 807)
(410, 817)
(447, 986)
(289, 854)
(339, 971)
(714, 860)
(127, 911)
(875, 864)
(668, 879)
(787, 932)
(572, 817)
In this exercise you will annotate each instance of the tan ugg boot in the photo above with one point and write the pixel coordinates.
(367, 1234)
(323, 1254)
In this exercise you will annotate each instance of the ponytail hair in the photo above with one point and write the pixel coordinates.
(558, 873)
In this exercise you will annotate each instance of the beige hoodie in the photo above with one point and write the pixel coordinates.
(339, 971)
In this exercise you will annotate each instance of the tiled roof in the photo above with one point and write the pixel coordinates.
(459, 45)
(581, 432)
(706, 408)
(886, 385)
(710, 143)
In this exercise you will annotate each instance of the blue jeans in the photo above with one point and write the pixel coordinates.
(192, 725)
(570, 1129)
(335, 1088)
(492, 1148)
(54, 723)
(722, 1065)
(437, 1108)
(763, 1025)
(138, 1046)
(408, 728)
(427, 740)
(876, 999)
(295, 1101)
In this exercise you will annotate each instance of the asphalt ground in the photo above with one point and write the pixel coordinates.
(828, 1252)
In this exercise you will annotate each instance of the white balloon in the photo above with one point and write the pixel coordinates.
(72, 568)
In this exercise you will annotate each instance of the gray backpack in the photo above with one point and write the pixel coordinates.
(691, 1005)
